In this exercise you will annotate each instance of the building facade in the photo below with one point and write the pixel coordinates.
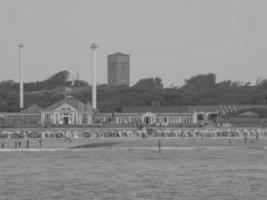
(163, 116)
(188, 115)
(118, 69)
(13, 120)
(68, 111)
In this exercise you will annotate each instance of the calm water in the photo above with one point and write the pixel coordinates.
(121, 173)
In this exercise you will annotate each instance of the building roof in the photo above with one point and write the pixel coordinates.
(118, 54)
(33, 109)
(248, 114)
(250, 106)
(203, 108)
(225, 108)
(72, 102)
(161, 109)
(190, 108)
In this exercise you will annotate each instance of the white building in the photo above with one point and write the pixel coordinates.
(68, 111)
(167, 115)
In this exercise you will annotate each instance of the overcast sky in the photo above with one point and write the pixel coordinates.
(172, 39)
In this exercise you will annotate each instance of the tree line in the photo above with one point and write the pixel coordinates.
(201, 89)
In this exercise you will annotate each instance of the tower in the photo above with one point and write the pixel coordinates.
(118, 69)
(93, 47)
(21, 92)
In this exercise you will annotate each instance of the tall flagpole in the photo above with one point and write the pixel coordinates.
(93, 47)
(21, 92)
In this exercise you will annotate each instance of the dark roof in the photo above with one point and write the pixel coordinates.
(161, 109)
(190, 108)
(245, 107)
(118, 54)
(227, 108)
(204, 108)
(248, 114)
(33, 109)
(72, 102)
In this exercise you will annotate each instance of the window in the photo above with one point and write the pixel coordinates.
(165, 119)
(47, 116)
(124, 66)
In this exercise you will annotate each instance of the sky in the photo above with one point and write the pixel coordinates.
(171, 39)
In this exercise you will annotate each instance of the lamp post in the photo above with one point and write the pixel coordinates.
(93, 47)
(21, 92)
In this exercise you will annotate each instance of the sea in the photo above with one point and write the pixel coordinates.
(114, 173)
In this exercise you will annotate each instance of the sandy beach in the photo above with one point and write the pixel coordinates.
(134, 170)
(134, 143)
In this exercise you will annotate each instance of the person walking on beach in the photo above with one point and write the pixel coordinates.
(257, 136)
(245, 139)
(69, 139)
(40, 142)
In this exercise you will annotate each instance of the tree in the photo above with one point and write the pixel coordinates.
(227, 84)
(150, 83)
(197, 90)
(261, 83)
(201, 81)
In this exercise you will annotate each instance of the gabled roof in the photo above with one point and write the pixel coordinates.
(118, 54)
(33, 109)
(72, 102)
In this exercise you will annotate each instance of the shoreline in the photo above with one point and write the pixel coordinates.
(135, 143)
